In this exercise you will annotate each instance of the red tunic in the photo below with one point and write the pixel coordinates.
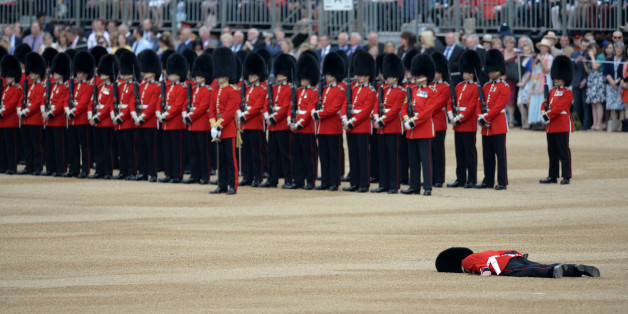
(105, 105)
(11, 98)
(495, 260)
(126, 105)
(256, 102)
(36, 98)
(306, 100)
(468, 102)
(199, 112)
(59, 98)
(364, 100)
(334, 96)
(442, 101)
(559, 113)
(282, 95)
(176, 99)
(150, 99)
(223, 110)
(394, 99)
(497, 94)
(83, 101)
(423, 104)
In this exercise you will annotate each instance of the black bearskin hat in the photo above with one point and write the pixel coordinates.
(239, 63)
(10, 66)
(225, 64)
(208, 51)
(48, 54)
(35, 63)
(407, 59)
(62, 64)
(177, 65)
(108, 65)
(255, 64)
(441, 64)
(164, 57)
(494, 61)
(120, 51)
(4, 52)
(284, 65)
(202, 66)
(363, 64)
(84, 62)
(149, 62)
(129, 65)
(450, 260)
(562, 69)
(393, 67)
(307, 68)
(267, 58)
(21, 51)
(98, 52)
(190, 56)
(379, 61)
(470, 62)
(71, 53)
(334, 65)
(311, 53)
(423, 65)
(345, 61)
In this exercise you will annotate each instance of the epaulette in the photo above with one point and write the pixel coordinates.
(263, 86)
(234, 86)
(503, 81)
(372, 88)
(340, 86)
(400, 87)
(432, 87)
(446, 83)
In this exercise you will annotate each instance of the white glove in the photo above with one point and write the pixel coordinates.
(407, 125)
(158, 115)
(67, 111)
(214, 133)
(450, 115)
(112, 115)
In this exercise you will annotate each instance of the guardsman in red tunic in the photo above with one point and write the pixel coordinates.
(417, 116)
(329, 126)
(404, 166)
(357, 122)
(54, 117)
(100, 118)
(222, 115)
(506, 263)
(171, 120)
(301, 123)
(76, 113)
(442, 100)
(197, 119)
(465, 121)
(145, 119)
(558, 119)
(279, 137)
(493, 122)
(252, 120)
(123, 120)
(387, 121)
(11, 100)
(30, 114)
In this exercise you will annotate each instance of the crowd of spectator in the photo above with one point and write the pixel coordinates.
(600, 92)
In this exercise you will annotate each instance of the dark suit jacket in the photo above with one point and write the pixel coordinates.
(81, 45)
(357, 49)
(259, 44)
(184, 46)
(579, 73)
(438, 45)
(454, 63)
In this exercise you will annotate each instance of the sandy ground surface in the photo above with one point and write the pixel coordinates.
(71, 245)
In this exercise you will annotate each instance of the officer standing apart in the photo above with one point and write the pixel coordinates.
(11, 100)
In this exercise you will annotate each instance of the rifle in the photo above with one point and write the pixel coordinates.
(270, 99)
(243, 97)
(114, 86)
(484, 107)
(293, 100)
(380, 96)
(163, 99)
(546, 106)
(410, 105)
(24, 97)
(452, 91)
(71, 100)
(189, 86)
(95, 98)
(319, 103)
(349, 100)
(47, 103)
(136, 92)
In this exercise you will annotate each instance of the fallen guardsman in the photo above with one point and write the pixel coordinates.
(506, 263)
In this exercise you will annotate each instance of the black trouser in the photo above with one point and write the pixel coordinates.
(79, 154)
(389, 161)
(213, 155)
(438, 157)
(304, 158)
(374, 140)
(420, 156)
(126, 151)
(55, 149)
(173, 159)
(329, 149)
(279, 163)
(359, 159)
(32, 140)
(558, 151)
(227, 164)
(403, 158)
(581, 107)
(146, 151)
(159, 156)
(522, 267)
(8, 157)
(198, 154)
(494, 146)
(252, 152)
(103, 154)
(466, 157)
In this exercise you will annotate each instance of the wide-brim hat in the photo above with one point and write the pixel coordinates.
(544, 42)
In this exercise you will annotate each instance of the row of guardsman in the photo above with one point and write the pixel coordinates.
(221, 110)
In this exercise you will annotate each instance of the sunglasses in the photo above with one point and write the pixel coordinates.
(616, 37)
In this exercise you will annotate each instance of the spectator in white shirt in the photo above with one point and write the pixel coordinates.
(98, 27)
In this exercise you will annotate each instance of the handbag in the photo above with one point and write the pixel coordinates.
(513, 70)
